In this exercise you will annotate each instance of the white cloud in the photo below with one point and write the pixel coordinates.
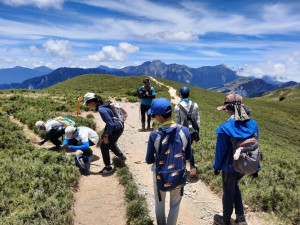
(285, 70)
(111, 53)
(57, 4)
(171, 36)
(59, 48)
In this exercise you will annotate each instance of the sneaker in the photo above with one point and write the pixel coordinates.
(241, 220)
(193, 171)
(218, 220)
(106, 170)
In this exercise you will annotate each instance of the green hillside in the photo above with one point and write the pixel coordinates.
(276, 190)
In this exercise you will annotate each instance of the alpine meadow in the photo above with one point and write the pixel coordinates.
(37, 185)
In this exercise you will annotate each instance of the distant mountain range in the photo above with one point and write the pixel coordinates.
(19, 74)
(216, 78)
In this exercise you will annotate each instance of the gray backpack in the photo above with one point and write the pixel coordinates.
(246, 154)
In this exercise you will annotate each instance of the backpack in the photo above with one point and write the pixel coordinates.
(246, 154)
(65, 121)
(170, 160)
(190, 122)
(120, 113)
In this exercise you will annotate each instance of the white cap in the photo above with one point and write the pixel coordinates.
(38, 125)
(69, 132)
(88, 96)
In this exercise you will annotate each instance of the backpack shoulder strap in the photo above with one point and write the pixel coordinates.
(182, 108)
(182, 137)
(191, 108)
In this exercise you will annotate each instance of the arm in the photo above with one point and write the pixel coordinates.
(82, 147)
(106, 117)
(150, 155)
(188, 148)
(221, 151)
(152, 94)
(177, 115)
(46, 138)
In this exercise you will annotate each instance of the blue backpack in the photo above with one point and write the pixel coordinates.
(171, 170)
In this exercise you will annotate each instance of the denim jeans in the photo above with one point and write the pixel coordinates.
(175, 199)
(112, 139)
(231, 195)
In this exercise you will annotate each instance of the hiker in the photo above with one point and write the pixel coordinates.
(54, 130)
(239, 125)
(147, 94)
(81, 138)
(168, 149)
(113, 129)
(182, 110)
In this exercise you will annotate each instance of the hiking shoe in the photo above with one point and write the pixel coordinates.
(241, 220)
(218, 220)
(106, 170)
(193, 171)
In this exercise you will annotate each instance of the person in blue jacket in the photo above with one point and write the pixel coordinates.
(239, 125)
(161, 110)
(112, 131)
(81, 138)
(147, 94)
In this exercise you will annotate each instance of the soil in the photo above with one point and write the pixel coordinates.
(100, 199)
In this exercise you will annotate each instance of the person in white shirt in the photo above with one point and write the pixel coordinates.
(181, 112)
(81, 138)
(54, 130)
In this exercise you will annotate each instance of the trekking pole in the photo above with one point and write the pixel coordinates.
(78, 105)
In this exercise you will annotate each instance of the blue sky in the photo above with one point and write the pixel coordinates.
(257, 37)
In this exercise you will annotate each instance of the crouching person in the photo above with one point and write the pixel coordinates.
(81, 138)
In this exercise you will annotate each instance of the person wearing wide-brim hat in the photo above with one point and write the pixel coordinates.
(238, 126)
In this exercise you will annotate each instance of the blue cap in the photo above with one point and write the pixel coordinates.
(184, 90)
(159, 107)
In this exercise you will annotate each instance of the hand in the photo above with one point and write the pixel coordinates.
(254, 175)
(216, 172)
(105, 140)
(40, 143)
(66, 147)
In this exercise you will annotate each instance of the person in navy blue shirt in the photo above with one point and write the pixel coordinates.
(112, 131)
(239, 125)
(147, 94)
(161, 110)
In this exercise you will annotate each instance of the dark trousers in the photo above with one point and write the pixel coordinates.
(231, 195)
(112, 139)
(144, 111)
(55, 134)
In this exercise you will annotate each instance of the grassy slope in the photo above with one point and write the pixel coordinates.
(277, 188)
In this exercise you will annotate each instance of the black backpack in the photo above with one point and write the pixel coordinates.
(190, 122)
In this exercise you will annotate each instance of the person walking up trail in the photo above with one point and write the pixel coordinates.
(81, 138)
(238, 126)
(167, 150)
(112, 131)
(147, 94)
(187, 114)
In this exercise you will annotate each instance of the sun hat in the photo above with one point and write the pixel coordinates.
(69, 132)
(38, 125)
(184, 90)
(231, 99)
(160, 106)
(241, 111)
(88, 96)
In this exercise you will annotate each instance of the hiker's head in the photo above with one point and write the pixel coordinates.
(230, 101)
(184, 92)
(40, 125)
(70, 132)
(161, 107)
(91, 100)
(233, 104)
(146, 82)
